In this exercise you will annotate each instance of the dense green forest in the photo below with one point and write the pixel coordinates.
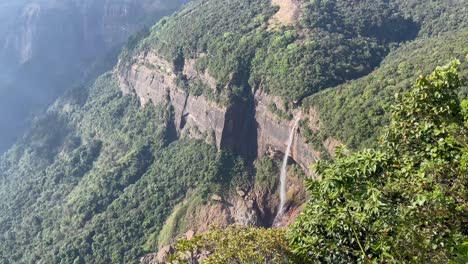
(293, 62)
(107, 177)
(96, 177)
(435, 16)
(331, 43)
(356, 111)
(404, 201)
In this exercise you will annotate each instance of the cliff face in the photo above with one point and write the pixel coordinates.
(47, 46)
(83, 24)
(273, 133)
(255, 206)
(246, 127)
(153, 79)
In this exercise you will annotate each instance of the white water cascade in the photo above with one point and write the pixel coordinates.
(284, 170)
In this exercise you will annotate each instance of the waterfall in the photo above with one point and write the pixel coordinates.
(284, 170)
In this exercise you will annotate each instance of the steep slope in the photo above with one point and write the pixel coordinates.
(435, 16)
(231, 76)
(189, 128)
(356, 111)
(105, 178)
(272, 70)
(388, 204)
(332, 42)
(48, 46)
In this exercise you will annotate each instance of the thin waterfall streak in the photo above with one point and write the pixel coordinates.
(284, 167)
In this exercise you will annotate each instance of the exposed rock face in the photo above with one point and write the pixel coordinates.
(273, 133)
(83, 24)
(160, 257)
(248, 128)
(256, 206)
(153, 79)
(220, 214)
(31, 14)
(47, 46)
(330, 145)
(289, 11)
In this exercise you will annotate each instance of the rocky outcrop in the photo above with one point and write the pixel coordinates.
(288, 13)
(273, 132)
(331, 144)
(248, 128)
(160, 257)
(153, 79)
(254, 206)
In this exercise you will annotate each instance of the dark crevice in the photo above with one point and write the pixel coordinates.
(171, 130)
(183, 114)
(240, 130)
(240, 125)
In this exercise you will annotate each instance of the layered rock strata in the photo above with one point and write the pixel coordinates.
(248, 128)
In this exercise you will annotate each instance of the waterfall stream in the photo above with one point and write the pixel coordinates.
(284, 168)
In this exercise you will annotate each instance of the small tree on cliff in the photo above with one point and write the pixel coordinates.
(406, 201)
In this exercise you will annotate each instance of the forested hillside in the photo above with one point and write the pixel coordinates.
(108, 176)
(190, 128)
(355, 112)
(435, 16)
(331, 43)
(401, 202)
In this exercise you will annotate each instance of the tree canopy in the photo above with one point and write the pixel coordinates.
(406, 200)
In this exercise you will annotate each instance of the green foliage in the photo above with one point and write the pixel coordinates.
(335, 41)
(464, 106)
(367, 18)
(97, 176)
(356, 112)
(176, 224)
(406, 200)
(435, 16)
(339, 40)
(237, 244)
(278, 112)
(131, 44)
(462, 254)
(266, 169)
(189, 31)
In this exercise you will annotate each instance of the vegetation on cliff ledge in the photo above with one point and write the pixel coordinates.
(404, 201)
(234, 41)
(101, 179)
(97, 175)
